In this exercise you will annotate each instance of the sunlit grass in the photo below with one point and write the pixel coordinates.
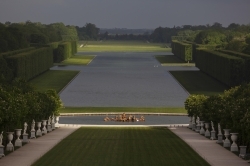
(78, 60)
(53, 79)
(121, 109)
(121, 147)
(122, 46)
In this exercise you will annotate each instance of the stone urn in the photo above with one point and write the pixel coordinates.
(207, 133)
(18, 141)
(243, 151)
(226, 142)
(10, 146)
(202, 131)
(234, 146)
(39, 132)
(44, 130)
(57, 122)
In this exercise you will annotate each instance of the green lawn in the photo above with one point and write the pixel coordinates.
(197, 82)
(53, 79)
(78, 60)
(172, 60)
(121, 147)
(122, 46)
(120, 109)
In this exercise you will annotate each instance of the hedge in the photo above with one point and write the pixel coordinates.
(30, 64)
(246, 57)
(10, 53)
(182, 50)
(65, 50)
(225, 68)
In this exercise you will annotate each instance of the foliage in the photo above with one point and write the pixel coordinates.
(182, 50)
(210, 37)
(19, 103)
(230, 109)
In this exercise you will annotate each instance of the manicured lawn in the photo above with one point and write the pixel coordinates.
(122, 46)
(120, 109)
(197, 82)
(53, 79)
(78, 60)
(172, 60)
(122, 147)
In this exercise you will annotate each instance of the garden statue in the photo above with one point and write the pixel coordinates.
(198, 120)
(25, 128)
(33, 125)
(212, 125)
(219, 129)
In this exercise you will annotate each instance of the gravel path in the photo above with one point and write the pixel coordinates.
(124, 80)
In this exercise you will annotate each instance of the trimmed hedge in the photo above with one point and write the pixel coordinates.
(182, 50)
(225, 68)
(246, 57)
(64, 51)
(10, 53)
(30, 64)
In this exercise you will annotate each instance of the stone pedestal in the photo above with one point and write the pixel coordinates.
(1, 151)
(198, 128)
(234, 146)
(53, 126)
(243, 151)
(32, 134)
(190, 123)
(25, 138)
(49, 128)
(18, 141)
(220, 139)
(226, 142)
(57, 122)
(202, 131)
(44, 130)
(213, 135)
(39, 132)
(10, 146)
(207, 133)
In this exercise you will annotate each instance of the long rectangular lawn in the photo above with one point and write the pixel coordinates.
(144, 146)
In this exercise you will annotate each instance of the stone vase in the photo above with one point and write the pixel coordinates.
(57, 122)
(44, 130)
(207, 133)
(10, 146)
(243, 151)
(213, 135)
(18, 141)
(202, 131)
(234, 146)
(198, 127)
(226, 142)
(39, 132)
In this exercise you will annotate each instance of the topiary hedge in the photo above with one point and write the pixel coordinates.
(182, 50)
(225, 68)
(30, 64)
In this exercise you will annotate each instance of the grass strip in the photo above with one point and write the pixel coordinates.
(53, 79)
(145, 146)
(197, 82)
(172, 60)
(123, 46)
(78, 60)
(120, 109)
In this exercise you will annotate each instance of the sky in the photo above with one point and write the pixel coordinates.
(132, 14)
